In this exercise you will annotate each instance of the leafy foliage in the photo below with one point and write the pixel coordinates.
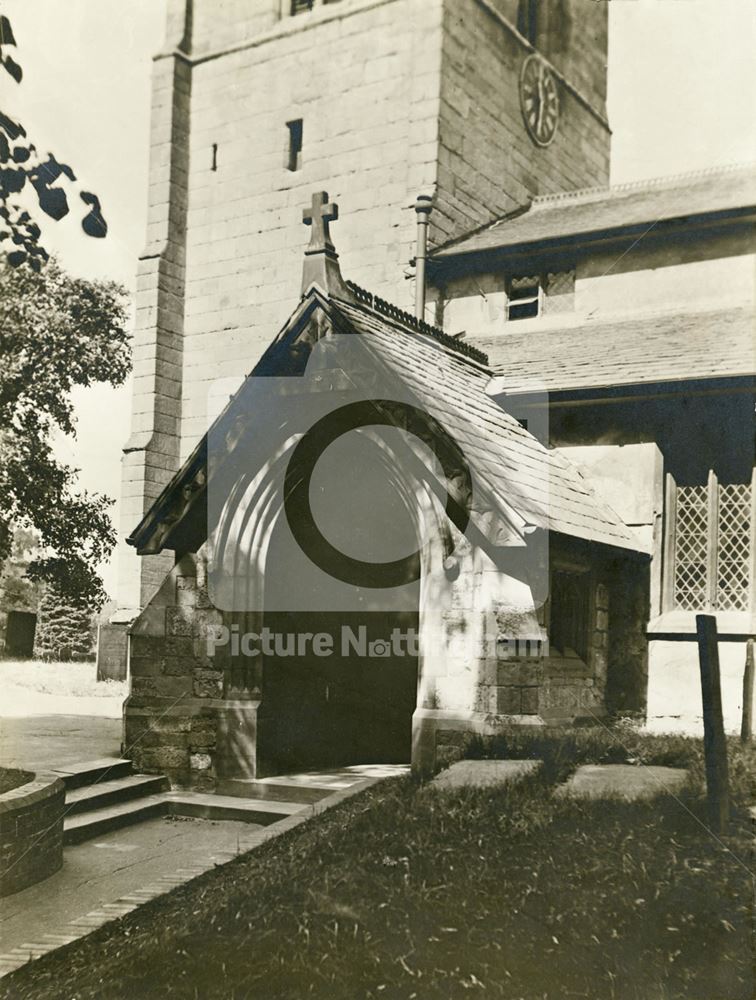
(65, 628)
(22, 166)
(56, 332)
(17, 591)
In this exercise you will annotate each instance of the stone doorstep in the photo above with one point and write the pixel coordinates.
(626, 781)
(214, 806)
(92, 771)
(265, 789)
(95, 822)
(102, 793)
(484, 773)
(126, 904)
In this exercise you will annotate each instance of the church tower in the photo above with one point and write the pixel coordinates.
(256, 103)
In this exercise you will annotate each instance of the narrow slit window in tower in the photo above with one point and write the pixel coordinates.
(294, 153)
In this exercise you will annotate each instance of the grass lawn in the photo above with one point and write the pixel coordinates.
(78, 680)
(12, 777)
(405, 892)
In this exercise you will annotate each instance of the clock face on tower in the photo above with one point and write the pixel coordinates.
(539, 99)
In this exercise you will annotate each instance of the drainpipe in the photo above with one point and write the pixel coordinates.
(423, 208)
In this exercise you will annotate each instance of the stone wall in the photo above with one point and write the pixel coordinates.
(486, 661)
(572, 36)
(176, 696)
(488, 165)
(151, 454)
(674, 686)
(193, 712)
(396, 97)
(504, 672)
(364, 80)
(221, 24)
(31, 832)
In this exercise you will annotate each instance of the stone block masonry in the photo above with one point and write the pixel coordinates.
(177, 702)
(439, 118)
(31, 832)
(487, 164)
(396, 97)
(365, 83)
(152, 451)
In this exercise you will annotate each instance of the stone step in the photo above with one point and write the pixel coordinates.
(90, 771)
(95, 822)
(248, 788)
(485, 773)
(623, 781)
(105, 793)
(214, 806)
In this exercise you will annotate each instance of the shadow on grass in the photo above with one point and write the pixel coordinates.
(562, 752)
(406, 892)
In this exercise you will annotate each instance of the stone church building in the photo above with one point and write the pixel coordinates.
(584, 358)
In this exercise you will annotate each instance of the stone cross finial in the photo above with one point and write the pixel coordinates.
(319, 215)
(321, 263)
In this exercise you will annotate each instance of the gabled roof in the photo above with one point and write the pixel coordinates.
(643, 350)
(577, 216)
(518, 474)
(541, 485)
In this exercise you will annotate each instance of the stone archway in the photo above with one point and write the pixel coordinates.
(295, 708)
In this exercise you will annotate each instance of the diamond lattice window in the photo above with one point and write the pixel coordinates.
(524, 297)
(713, 547)
(691, 548)
(734, 555)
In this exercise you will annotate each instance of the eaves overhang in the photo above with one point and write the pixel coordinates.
(458, 260)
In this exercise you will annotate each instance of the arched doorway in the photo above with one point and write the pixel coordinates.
(335, 676)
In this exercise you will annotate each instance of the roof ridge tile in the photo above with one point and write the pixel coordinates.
(392, 311)
(607, 190)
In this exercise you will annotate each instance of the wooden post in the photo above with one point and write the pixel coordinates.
(746, 726)
(715, 747)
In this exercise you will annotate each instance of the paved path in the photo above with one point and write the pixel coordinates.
(105, 878)
(115, 865)
(46, 741)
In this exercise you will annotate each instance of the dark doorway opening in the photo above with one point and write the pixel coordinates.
(351, 707)
(19, 634)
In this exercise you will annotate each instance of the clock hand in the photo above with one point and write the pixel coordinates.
(541, 102)
(536, 104)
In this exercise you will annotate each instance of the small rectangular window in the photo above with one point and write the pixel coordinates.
(294, 153)
(527, 20)
(304, 6)
(524, 298)
(569, 602)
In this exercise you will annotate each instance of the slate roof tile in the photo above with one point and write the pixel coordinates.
(576, 213)
(645, 349)
(516, 470)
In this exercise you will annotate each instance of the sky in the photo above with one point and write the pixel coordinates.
(682, 96)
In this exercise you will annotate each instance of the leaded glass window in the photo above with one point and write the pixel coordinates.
(711, 532)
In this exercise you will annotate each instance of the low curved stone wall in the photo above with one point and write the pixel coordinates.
(31, 832)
